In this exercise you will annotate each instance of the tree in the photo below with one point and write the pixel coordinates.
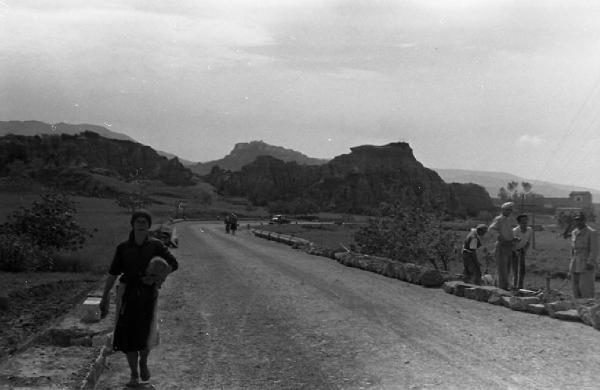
(408, 235)
(503, 194)
(132, 202)
(33, 234)
(512, 192)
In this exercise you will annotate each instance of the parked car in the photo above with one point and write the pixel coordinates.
(279, 219)
(167, 234)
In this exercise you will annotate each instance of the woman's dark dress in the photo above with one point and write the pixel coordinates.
(137, 305)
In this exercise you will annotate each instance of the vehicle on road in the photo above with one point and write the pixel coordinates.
(279, 219)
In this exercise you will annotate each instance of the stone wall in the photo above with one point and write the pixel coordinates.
(541, 302)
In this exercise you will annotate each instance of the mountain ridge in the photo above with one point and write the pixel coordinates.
(35, 127)
(493, 180)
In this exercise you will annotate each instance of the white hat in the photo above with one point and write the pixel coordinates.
(507, 205)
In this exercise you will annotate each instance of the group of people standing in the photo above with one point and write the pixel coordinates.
(231, 223)
(512, 243)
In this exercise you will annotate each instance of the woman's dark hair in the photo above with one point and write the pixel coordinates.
(141, 213)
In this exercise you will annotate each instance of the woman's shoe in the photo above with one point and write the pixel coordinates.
(133, 382)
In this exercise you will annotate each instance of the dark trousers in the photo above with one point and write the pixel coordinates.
(503, 256)
(518, 268)
(472, 271)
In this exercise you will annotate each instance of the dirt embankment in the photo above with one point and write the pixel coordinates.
(36, 305)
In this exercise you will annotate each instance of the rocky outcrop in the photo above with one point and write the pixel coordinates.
(51, 156)
(246, 152)
(357, 182)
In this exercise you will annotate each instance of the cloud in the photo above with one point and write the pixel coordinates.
(529, 140)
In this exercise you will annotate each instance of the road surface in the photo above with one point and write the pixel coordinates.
(247, 313)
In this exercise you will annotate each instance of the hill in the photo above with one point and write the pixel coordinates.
(492, 181)
(74, 162)
(30, 128)
(245, 153)
(357, 182)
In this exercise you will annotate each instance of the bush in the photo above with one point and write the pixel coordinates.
(31, 235)
(408, 235)
(18, 254)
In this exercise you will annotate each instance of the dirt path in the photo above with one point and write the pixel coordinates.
(243, 312)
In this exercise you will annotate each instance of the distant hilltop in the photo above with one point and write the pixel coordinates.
(492, 181)
(244, 153)
(32, 127)
(38, 128)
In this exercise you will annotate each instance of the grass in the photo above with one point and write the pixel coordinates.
(103, 215)
(550, 255)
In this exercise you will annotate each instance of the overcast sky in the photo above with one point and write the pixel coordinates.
(509, 86)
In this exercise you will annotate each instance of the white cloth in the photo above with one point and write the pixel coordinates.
(525, 237)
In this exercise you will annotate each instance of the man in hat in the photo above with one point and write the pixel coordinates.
(503, 225)
(472, 270)
(584, 251)
(522, 234)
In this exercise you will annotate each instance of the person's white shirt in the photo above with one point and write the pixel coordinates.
(524, 237)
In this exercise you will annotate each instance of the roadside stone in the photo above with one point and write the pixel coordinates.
(567, 315)
(480, 293)
(554, 307)
(521, 303)
(460, 289)
(526, 293)
(413, 273)
(376, 264)
(590, 315)
(343, 258)
(395, 270)
(432, 278)
(81, 341)
(536, 308)
(497, 295)
(450, 287)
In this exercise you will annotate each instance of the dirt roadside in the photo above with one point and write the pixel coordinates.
(253, 314)
(36, 302)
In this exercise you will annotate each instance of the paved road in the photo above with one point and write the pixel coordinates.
(243, 312)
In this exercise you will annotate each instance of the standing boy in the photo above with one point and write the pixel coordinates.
(472, 270)
(522, 235)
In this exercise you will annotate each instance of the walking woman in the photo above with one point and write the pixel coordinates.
(140, 265)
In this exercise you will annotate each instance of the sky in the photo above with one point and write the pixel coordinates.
(510, 86)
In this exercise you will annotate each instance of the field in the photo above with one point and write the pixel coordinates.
(548, 258)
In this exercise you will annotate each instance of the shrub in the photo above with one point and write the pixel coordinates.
(18, 254)
(31, 235)
(132, 202)
(408, 235)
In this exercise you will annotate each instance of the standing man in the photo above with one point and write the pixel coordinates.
(472, 270)
(503, 225)
(522, 235)
(233, 223)
(227, 223)
(584, 251)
